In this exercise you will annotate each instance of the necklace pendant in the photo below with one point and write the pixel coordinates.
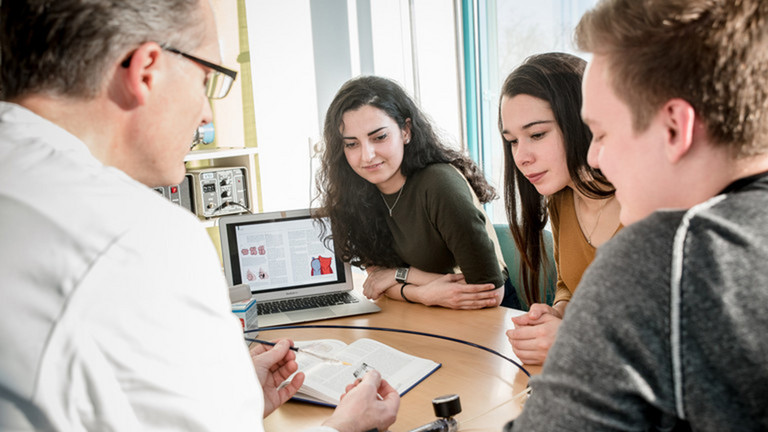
(396, 200)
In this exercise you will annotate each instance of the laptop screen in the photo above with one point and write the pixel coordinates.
(280, 255)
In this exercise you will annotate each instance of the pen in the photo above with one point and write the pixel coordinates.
(293, 348)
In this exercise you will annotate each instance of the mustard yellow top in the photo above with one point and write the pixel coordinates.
(573, 254)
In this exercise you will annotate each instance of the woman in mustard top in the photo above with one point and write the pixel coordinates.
(547, 177)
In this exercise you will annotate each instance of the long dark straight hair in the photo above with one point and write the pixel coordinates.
(353, 205)
(556, 79)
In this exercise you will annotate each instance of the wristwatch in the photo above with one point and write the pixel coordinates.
(401, 274)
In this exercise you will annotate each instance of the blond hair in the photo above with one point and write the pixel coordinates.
(711, 53)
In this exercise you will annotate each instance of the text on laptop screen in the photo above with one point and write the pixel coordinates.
(274, 254)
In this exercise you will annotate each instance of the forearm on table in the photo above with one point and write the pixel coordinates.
(420, 277)
(416, 279)
(396, 292)
(410, 291)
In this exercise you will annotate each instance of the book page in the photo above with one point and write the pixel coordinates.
(324, 347)
(327, 381)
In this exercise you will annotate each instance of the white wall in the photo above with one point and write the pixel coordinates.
(282, 63)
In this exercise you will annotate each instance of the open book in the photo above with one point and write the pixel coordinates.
(325, 382)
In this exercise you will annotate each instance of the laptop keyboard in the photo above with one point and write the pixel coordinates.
(303, 303)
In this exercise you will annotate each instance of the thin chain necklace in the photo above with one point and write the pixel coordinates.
(597, 220)
(396, 199)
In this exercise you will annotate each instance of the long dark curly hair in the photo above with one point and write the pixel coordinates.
(352, 204)
(556, 79)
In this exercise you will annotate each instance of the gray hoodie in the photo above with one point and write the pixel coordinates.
(668, 329)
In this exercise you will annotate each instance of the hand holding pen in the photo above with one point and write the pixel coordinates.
(303, 350)
(273, 364)
(370, 403)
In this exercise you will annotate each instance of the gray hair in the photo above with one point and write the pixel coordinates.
(65, 47)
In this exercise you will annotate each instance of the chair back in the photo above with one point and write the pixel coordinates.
(547, 271)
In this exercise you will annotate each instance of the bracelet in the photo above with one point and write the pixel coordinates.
(402, 293)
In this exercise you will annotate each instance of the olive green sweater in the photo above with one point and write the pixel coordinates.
(439, 226)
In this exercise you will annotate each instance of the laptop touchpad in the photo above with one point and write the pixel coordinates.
(310, 314)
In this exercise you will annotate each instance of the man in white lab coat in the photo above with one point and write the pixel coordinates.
(114, 311)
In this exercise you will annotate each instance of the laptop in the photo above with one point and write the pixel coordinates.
(292, 275)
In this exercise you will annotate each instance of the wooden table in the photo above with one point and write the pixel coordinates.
(485, 382)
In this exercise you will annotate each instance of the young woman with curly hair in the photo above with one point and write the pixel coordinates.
(405, 206)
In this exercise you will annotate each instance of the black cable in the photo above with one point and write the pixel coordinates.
(226, 204)
(448, 338)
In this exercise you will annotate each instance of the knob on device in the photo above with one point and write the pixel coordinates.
(445, 408)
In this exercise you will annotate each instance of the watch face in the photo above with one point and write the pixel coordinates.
(401, 274)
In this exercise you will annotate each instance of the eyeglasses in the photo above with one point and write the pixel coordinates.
(218, 84)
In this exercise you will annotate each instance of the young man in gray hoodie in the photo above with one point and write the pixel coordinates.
(667, 328)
